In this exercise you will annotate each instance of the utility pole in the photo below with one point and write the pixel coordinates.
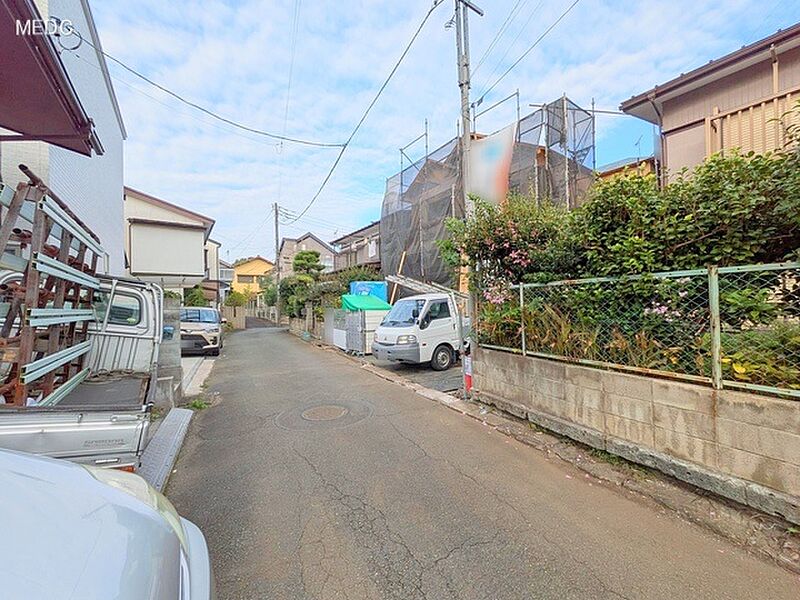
(277, 267)
(462, 47)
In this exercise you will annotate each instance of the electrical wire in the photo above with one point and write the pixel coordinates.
(499, 33)
(510, 46)
(196, 106)
(250, 235)
(529, 50)
(311, 220)
(363, 118)
(172, 108)
(295, 30)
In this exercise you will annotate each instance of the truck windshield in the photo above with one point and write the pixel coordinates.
(199, 315)
(402, 313)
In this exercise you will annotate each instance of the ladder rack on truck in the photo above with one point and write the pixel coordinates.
(44, 338)
(78, 347)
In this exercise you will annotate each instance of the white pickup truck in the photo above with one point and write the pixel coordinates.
(420, 329)
(78, 350)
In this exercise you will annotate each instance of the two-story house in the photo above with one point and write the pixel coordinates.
(741, 100)
(166, 243)
(291, 246)
(225, 279)
(361, 247)
(248, 274)
(211, 284)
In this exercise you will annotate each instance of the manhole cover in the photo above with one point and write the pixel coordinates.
(326, 412)
(323, 416)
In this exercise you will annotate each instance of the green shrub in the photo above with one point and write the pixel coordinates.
(236, 299)
(194, 297)
(730, 210)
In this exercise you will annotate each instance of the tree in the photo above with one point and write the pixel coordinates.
(236, 299)
(306, 262)
(269, 291)
(194, 297)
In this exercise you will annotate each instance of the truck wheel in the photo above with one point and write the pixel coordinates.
(442, 358)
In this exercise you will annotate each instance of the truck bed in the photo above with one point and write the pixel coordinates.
(108, 392)
(102, 422)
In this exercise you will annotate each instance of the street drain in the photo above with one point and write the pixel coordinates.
(326, 412)
(323, 416)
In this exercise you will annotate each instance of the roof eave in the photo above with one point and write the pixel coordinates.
(641, 105)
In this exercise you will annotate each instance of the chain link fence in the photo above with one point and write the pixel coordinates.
(735, 327)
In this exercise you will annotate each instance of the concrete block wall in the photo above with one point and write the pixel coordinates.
(170, 372)
(740, 445)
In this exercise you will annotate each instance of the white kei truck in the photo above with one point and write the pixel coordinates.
(78, 349)
(421, 329)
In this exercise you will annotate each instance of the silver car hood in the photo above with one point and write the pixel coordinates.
(67, 535)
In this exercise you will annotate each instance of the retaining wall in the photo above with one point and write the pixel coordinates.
(742, 446)
(235, 316)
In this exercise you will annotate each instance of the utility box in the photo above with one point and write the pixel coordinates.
(362, 315)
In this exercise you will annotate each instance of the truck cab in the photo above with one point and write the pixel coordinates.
(420, 329)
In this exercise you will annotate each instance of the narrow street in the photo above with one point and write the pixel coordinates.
(312, 478)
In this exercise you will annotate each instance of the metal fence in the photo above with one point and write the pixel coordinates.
(732, 327)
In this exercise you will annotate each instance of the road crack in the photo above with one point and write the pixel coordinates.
(393, 567)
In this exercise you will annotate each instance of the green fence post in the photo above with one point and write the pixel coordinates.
(522, 314)
(716, 327)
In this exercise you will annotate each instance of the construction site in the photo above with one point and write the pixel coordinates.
(552, 159)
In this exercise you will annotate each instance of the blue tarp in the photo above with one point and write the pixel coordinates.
(379, 289)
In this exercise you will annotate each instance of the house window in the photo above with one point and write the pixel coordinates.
(372, 249)
(246, 278)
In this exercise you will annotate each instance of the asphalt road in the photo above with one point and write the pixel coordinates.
(312, 478)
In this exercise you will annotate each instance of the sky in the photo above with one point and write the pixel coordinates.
(234, 58)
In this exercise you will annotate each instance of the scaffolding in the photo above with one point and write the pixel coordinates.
(553, 158)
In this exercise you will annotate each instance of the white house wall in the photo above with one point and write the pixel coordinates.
(161, 250)
(138, 208)
(92, 187)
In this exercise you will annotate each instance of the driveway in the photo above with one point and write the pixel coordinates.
(312, 478)
(443, 381)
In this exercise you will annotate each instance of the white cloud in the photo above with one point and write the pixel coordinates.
(234, 58)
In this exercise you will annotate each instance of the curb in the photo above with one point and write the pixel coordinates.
(188, 377)
(161, 452)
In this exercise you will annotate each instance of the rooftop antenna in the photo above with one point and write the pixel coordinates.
(638, 145)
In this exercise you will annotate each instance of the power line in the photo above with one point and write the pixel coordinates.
(295, 29)
(196, 106)
(171, 107)
(314, 221)
(510, 46)
(499, 33)
(530, 49)
(363, 118)
(249, 235)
